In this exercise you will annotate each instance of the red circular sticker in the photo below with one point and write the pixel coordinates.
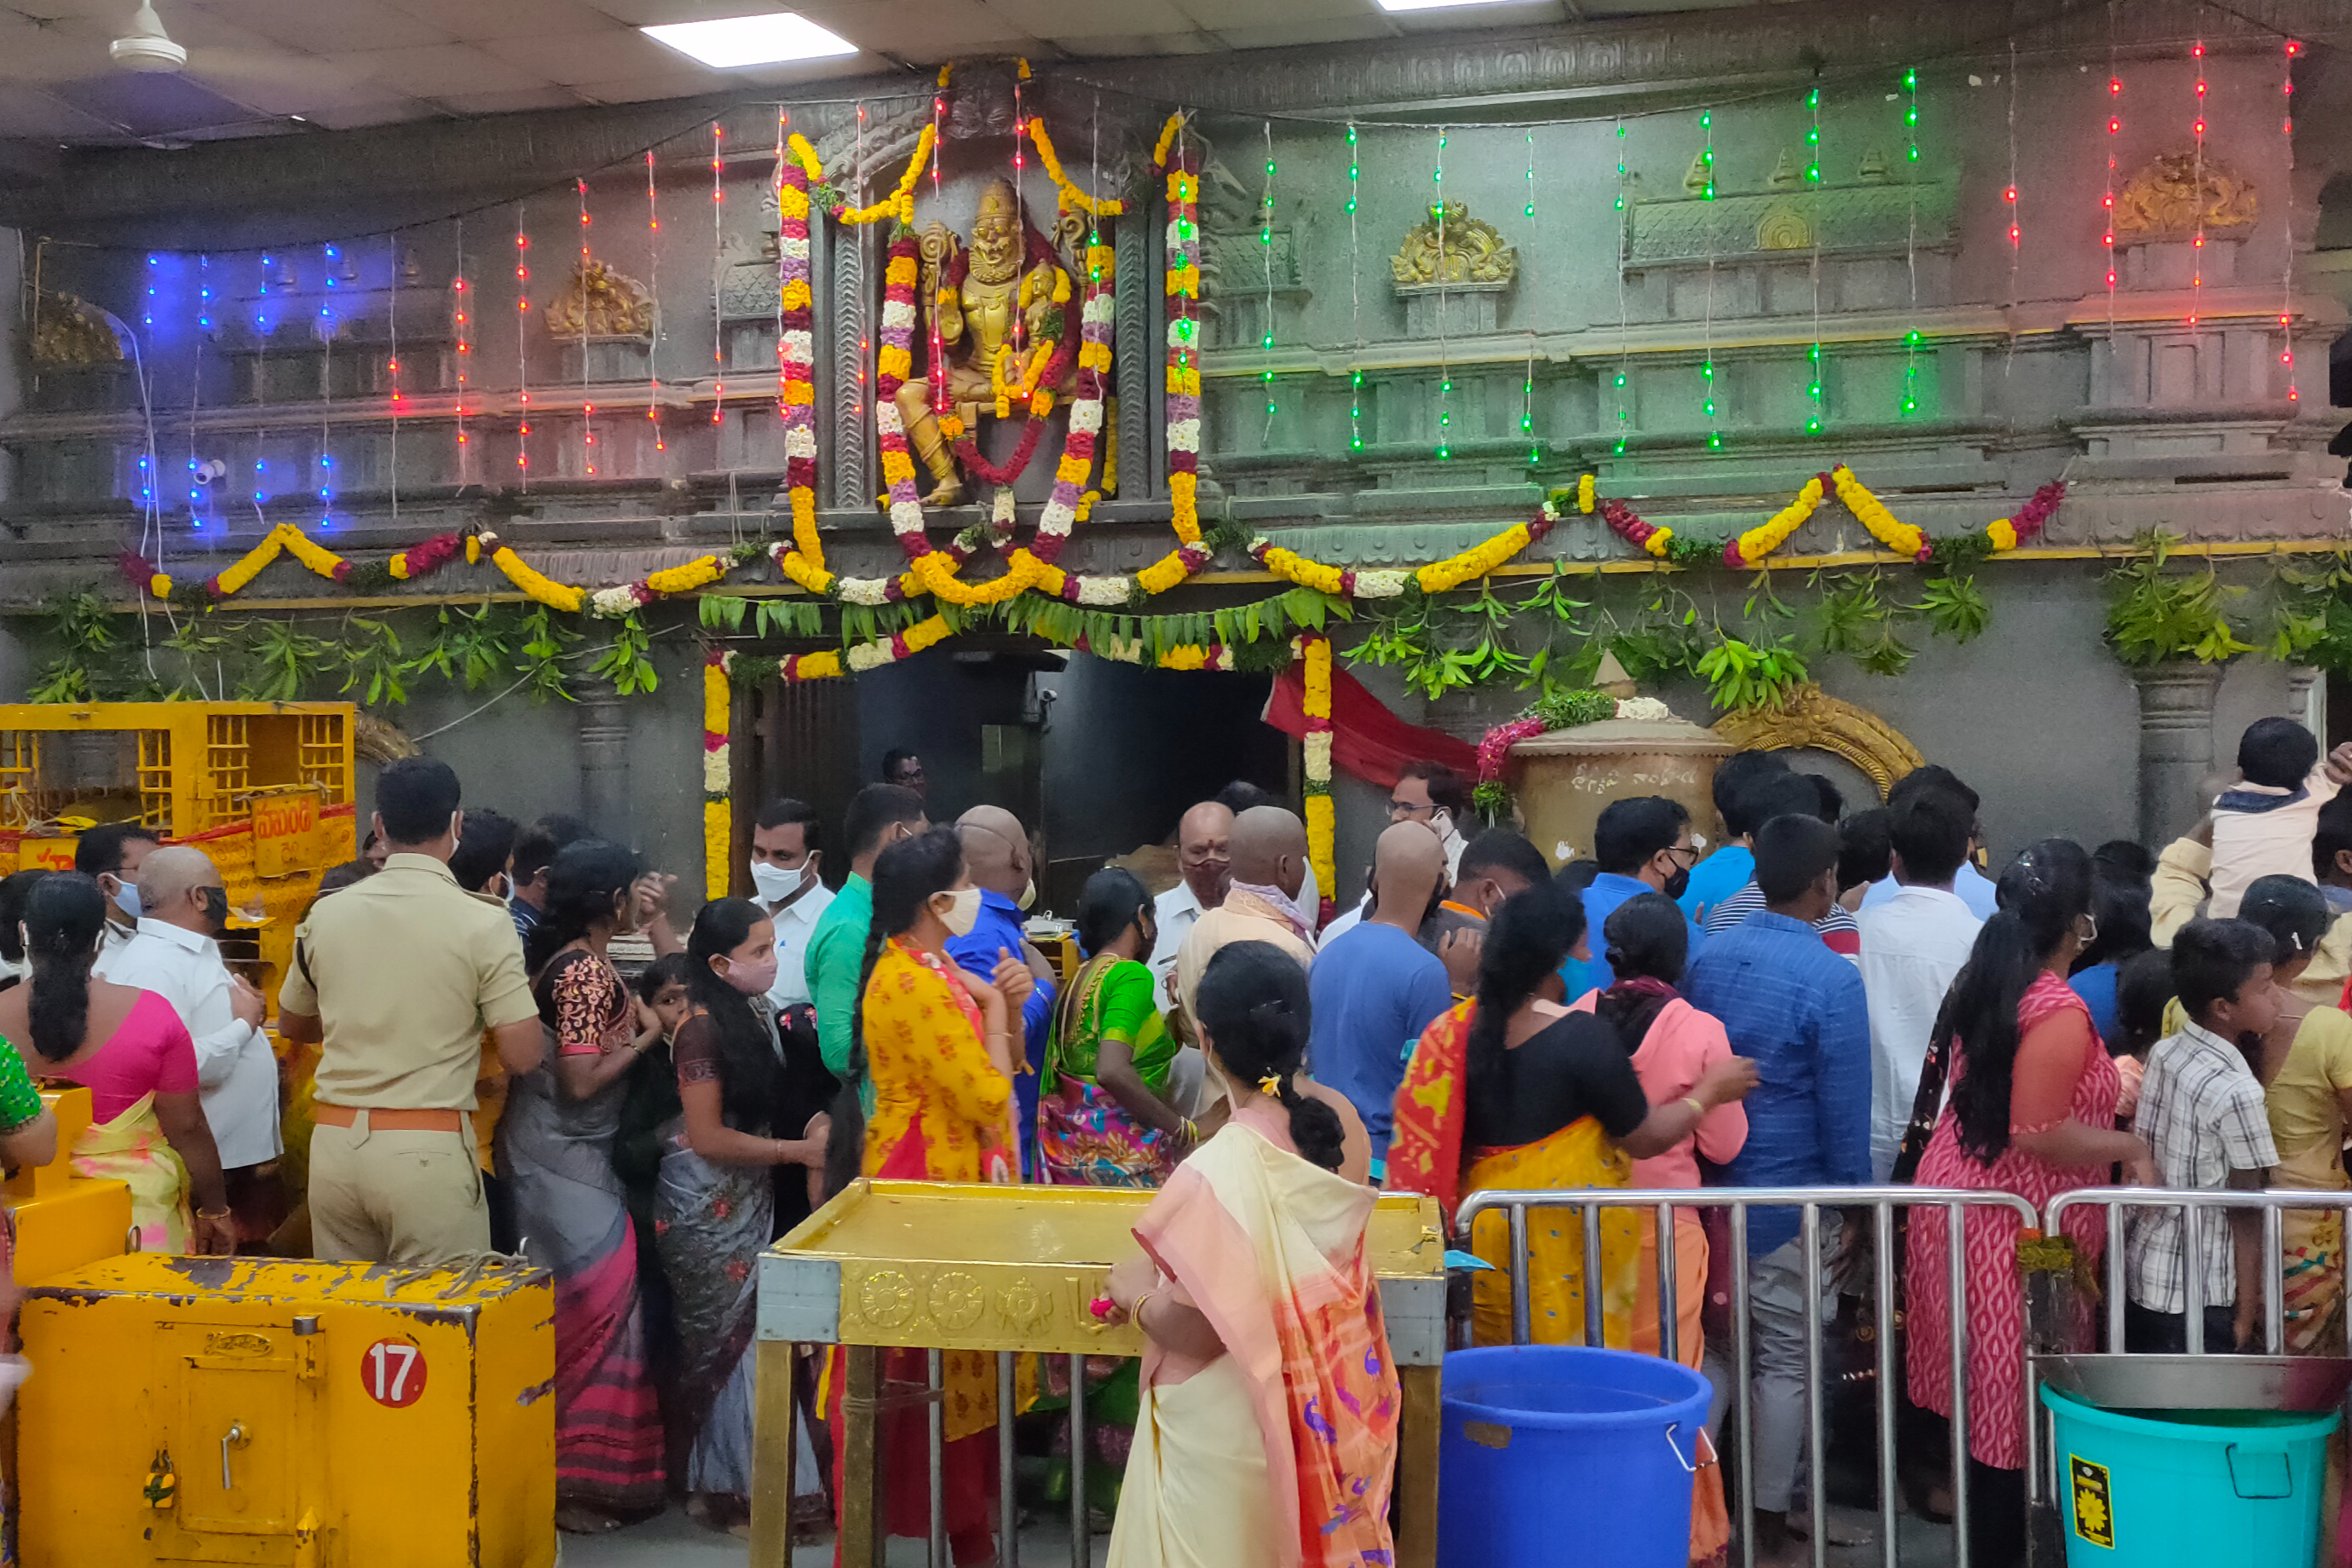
(393, 1372)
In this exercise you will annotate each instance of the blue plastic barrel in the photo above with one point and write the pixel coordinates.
(2220, 1489)
(1557, 1453)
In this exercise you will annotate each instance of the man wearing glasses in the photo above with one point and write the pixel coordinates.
(1431, 794)
(1643, 845)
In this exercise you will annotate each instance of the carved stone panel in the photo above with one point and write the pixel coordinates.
(1860, 218)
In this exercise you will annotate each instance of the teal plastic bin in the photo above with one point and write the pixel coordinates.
(2215, 1489)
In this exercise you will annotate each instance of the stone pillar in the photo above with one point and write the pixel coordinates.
(1140, 349)
(850, 367)
(2176, 746)
(603, 726)
(2306, 699)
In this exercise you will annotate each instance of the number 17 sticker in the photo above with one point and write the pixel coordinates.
(393, 1372)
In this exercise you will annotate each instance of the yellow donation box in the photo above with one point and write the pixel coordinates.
(288, 1412)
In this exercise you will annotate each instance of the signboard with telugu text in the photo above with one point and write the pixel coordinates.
(50, 853)
(286, 839)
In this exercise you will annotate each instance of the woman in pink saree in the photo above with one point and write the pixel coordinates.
(1260, 1314)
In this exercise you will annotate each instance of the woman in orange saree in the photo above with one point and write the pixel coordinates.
(1513, 1091)
(1260, 1313)
(936, 1042)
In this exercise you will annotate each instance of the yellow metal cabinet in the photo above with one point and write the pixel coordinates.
(187, 1410)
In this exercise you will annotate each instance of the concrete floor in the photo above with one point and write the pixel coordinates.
(673, 1541)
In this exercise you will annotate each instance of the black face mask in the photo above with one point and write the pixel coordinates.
(215, 903)
(1678, 883)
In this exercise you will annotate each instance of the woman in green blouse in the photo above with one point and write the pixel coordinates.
(1103, 1116)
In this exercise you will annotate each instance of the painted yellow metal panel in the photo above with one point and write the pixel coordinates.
(288, 1412)
(63, 1219)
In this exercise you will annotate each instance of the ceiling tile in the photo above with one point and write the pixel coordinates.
(473, 20)
(29, 113)
(1284, 35)
(1098, 19)
(1131, 44)
(510, 103)
(642, 89)
(658, 13)
(352, 114)
(327, 28)
(1219, 14)
(48, 54)
(927, 31)
(441, 71)
(607, 53)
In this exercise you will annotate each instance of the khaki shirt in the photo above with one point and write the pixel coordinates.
(405, 970)
(1238, 918)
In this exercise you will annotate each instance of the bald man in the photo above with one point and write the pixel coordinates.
(1375, 987)
(1269, 867)
(996, 857)
(1204, 867)
(175, 952)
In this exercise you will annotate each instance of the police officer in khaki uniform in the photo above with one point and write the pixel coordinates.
(399, 975)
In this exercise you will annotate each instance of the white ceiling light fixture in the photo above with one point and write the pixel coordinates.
(147, 48)
(770, 38)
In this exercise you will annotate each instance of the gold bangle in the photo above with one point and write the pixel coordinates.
(214, 1213)
(1693, 1102)
(1135, 1312)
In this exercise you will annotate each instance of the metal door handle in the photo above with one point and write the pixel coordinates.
(234, 1438)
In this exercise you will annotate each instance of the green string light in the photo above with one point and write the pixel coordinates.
(1445, 382)
(1911, 340)
(1532, 175)
(1625, 415)
(1266, 253)
(1815, 409)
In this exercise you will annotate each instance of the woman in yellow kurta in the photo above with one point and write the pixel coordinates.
(936, 1043)
(1514, 1090)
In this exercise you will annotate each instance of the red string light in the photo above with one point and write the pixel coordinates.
(587, 409)
(2107, 197)
(2196, 243)
(2286, 286)
(718, 315)
(522, 344)
(652, 348)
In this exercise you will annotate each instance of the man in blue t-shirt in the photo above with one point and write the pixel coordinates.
(1375, 988)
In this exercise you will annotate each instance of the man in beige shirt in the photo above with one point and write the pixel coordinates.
(1269, 868)
(399, 975)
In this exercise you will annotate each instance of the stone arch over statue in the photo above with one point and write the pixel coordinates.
(1812, 720)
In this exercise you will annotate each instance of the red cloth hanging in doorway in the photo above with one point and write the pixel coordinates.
(1367, 740)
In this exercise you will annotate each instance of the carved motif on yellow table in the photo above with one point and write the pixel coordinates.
(2162, 201)
(1812, 720)
(601, 303)
(1473, 252)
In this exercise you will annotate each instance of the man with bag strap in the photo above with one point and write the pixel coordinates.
(398, 976)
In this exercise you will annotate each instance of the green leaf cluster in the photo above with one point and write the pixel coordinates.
(2154, 615)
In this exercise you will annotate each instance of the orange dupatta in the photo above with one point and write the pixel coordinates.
(1271, 1250)
(1432, 1106)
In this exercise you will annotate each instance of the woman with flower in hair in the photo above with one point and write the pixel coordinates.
(2031, 1111)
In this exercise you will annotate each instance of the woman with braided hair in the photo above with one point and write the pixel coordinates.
(1259, 1312)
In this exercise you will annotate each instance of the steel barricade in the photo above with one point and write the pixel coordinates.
(1882, 1201)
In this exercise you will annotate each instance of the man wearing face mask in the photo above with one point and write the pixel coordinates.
(175, 952)
(785, 881)
(1643, 845)
(879, 815)
(996, 857)
(111, 853)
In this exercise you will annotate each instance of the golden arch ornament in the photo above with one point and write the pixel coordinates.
(1812, 720)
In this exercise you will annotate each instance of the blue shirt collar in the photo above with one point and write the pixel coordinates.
(1765, 920)
(1617, 882)
(991, 899)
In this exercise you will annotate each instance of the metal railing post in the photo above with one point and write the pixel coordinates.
(1669, 1307)
(1596, 1333)
(1956, 1260)
(1521, 1333)
(935, 1423)
(2273, 1280)
(1817, 1445)
(2192, 1277)
(1008, 1511)
(1883, 1320)
(1744, 1373)
(1078, 1532)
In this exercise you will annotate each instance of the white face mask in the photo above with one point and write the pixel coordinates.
(962, 911)
(776, 884)
(1028, 893)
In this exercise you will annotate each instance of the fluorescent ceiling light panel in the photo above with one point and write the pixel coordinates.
(1434, 4)
(762, 41)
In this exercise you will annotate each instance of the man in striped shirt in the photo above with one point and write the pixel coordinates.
(1785, 794)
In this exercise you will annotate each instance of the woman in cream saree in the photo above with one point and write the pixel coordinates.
(1260, 1314)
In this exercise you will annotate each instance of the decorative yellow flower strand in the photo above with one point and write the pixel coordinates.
(900, 202)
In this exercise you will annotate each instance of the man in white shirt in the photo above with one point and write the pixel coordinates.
(1914, 943)
(1973, 887)
(1203, 863)
(784, 856)
(176, 953)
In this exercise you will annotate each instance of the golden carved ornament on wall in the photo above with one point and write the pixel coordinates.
(2162, 201)
(600, 302)
(66, 332)
(1473, 252)
(1812, 720)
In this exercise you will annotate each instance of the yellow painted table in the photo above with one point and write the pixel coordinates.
(942, 1266)
(65, 1219)
(289, 1412)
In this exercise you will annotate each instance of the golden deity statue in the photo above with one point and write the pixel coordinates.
(971, 321)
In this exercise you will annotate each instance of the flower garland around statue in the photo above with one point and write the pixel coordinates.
(718, 778)
(804, 561)
(1377, 582)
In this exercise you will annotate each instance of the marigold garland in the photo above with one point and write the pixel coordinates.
(717, 816)
(1903, 538)
(1750, 548)
(1313, 653)
(1071, 197)
(431, 555)
(900, 202)
(804, 562)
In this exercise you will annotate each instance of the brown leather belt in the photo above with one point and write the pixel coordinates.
(327, 1115)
